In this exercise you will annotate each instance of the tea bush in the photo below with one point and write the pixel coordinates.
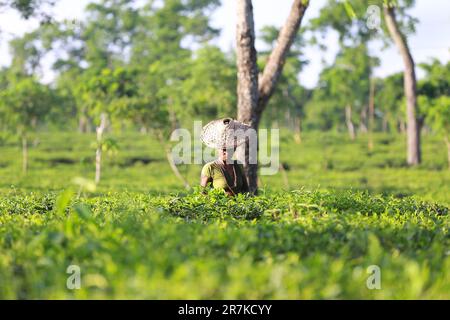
(140, 235)
(296, 245)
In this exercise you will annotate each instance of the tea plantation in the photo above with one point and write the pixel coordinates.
(341, 212)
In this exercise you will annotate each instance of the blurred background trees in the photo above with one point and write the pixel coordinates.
(151, 66)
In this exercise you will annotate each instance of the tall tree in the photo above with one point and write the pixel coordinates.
(253, 91)
(109, 32)
(159, 49)
(346, 82)
(106, 96)
(24, 100)
(410, 84)
(210, 88)
(352, 20)
(23, 104)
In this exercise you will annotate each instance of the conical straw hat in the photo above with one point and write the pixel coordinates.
(224, 133)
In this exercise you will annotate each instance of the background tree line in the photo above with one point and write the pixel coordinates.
(150, 66)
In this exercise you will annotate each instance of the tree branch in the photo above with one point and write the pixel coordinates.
(246, 63)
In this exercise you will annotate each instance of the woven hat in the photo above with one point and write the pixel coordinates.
(224, 133)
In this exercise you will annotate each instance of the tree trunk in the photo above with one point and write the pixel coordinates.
(402, 126)
(349, 122)
(98, 155)
(298, 130)
(363, 120)
(83, 122)
(371, 114)
(247, 89)
(34, 122)
(253, 95)
(287, 118)
(144, 130)
(447, 142)
(413, 131)
(385, 124)
(24, 154)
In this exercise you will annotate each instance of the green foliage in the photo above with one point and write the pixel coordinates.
(346, 17)
(322, 113)
(110, 27)
(348, 79)
(134, 237)
(439, 115)
(326, 159)
(289, 95)
(293, 245)
(209, 90)
(389, 98)
(169, 80)
(27, 8)
(26, 55)
(437, 80)
(345, 83)
(150, 64)
(110, 92)
(23, 103)
(434, 99)
(349, 19)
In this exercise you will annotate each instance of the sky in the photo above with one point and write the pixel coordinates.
(432, 37)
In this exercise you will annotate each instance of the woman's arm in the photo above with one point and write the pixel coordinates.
(204, 181)
(206, 177)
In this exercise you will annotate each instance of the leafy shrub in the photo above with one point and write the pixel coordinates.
(294, 245)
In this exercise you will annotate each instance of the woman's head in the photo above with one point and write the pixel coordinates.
(226, 154)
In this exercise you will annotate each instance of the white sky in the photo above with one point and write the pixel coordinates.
(432, 38)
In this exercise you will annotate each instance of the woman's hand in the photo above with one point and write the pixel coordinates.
(204, 181)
